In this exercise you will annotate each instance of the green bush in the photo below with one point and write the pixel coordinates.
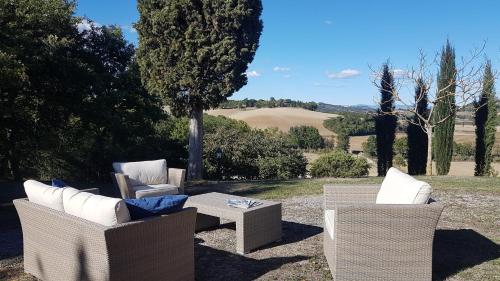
(343, 141)
(306, 137)
(339, 164)
(463, 151)
(249, 153)
(370, 146)
(353, 124)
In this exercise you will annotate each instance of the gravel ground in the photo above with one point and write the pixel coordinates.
(466, 243)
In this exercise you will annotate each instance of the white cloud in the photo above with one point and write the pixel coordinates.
(281, 69)
(129, 28)
(328, 22)
(346, 73)
(399, 73)
(253, 73)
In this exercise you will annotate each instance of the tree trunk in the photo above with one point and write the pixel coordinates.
(428, 168)
(195, 143)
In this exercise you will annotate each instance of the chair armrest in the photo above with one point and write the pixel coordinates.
(92, 190)
(176, 177)
(345, 194)
(123, 183)
(163, 244)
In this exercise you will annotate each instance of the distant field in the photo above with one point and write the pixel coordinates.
(281, 117)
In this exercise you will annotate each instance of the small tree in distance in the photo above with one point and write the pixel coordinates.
(467, 86)
(485, 120)
(195, 54)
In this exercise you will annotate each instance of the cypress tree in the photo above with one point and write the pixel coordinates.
(385, 122)
(485, 120)
(417, 137)
(445, 109)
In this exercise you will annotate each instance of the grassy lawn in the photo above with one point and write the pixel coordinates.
(290, 188)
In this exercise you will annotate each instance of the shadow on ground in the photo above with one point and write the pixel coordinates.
(457, 250)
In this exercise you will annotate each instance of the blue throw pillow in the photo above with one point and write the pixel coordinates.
(155, 206)
(58, 183)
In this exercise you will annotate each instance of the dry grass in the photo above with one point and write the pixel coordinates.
(281, 117)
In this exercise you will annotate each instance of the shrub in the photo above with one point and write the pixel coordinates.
(463, 151)
(339, 164)
(306, 137)
(250, 153)
(343, 141)
(370, 146)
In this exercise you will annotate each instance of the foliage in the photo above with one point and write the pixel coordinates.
(72, 100)
(370, 146)
(355, 124)
(339, 164)
(272, 102)
(194, 54)
(306, 137)
(385, 122)
(401, 151)
(485, 120)
(443, 133)
(249, 153)
(343, 141)
(463, 151)
(417, 137)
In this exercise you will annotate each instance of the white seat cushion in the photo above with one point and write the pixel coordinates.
(45, 195)
(142, 191)
(144, 172)
(330, 222)
(97, 208)
(400, 188)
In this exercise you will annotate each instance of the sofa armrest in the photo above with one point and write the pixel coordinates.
(154, 247)
(176, 177)
(345, 194)
(92, 190)
(123, 183)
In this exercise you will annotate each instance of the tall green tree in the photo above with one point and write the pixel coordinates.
(39, 77)
(445, 110)
(417, 136)
(385, 122)
(486, 122)
(194, 54)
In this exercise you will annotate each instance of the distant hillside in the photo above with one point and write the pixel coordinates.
(279, 117)
(332, 108)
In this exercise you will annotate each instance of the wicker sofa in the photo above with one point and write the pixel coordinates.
(147, 179)
(59, 246)
(378, 241)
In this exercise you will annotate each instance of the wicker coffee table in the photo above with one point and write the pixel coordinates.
(255, 227)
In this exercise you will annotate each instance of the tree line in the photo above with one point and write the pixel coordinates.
(431, 118)
(271, 103)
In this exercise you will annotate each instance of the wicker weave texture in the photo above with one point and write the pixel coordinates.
(255, 227)
(376, 241)
(58, 246)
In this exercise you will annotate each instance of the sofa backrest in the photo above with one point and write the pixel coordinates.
(144, 172)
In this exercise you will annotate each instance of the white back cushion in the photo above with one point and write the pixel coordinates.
(45, 195)
(144, 172)
(400, 188)
(97, 208)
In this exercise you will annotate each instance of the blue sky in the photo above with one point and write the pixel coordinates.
(321, 50)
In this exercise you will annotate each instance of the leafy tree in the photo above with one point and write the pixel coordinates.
(486, 122)
(194, 53)
(306, 137)
(370, 146)
(343, 141)
(385, 122)
(445, 109)
(417, 137)
(355, 124)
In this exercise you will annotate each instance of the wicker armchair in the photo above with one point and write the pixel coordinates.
(137, 186)
(369, 241)
(59, 246)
